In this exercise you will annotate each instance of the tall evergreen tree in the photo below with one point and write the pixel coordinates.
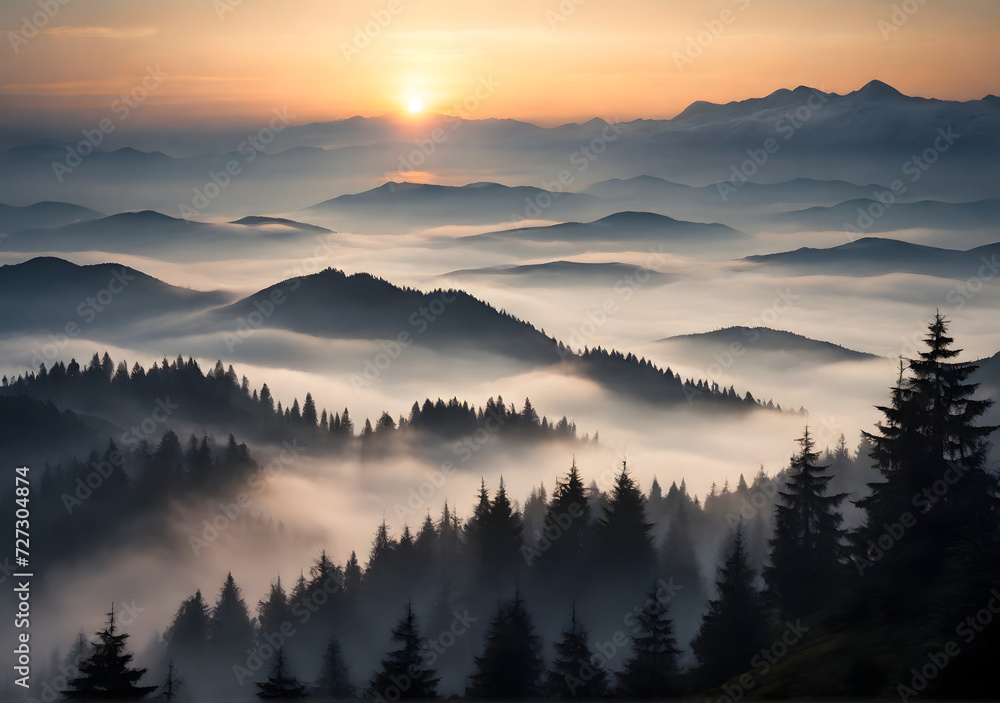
(187, 637)
(651, 671)
(172, 684)
(309, 418)
(280, 684)
(501, 538)
(335, 675)
(402, 674)
(929, 439)
(274, 612)
(511, 665)
(567, 526)
(734, 628)
(106, 674)
(807, 551)
(624, 542)
(231, 628)
(574, 674)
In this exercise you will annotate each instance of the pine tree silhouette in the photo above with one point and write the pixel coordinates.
(651, 671)
(280, 684)
(172, 685)
(105, 674)
(624, 542)
(734, 627)
(335, 675)
(511, 665)
(231, 629)
(568, 518)
(402, 674)
(807, 551)
(929, 437)
(573, 673)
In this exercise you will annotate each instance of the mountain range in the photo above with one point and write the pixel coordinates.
(874, 256)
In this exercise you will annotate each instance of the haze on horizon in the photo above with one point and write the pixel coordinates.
(230, 62)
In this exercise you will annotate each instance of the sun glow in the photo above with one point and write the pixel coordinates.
(416, 105)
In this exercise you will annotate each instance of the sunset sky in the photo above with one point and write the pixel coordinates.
(237, 60)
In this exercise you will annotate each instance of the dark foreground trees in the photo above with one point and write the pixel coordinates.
(403, 675)
(106, 674)
(511, 665)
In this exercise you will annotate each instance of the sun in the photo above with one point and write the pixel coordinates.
(416, 105)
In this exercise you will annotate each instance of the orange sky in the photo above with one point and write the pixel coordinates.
(550, 61)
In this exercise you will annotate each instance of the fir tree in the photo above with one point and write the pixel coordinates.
(807, 551)
(574, 674)
(651, 671)
(280, 684)
(335, 675)
(929, 437)
(623, 537)
(274, 612)
(172, 685)
(568, 518)
(402, 674)
(106, 674)
(309, 412)
(511, 665)
(734, 627)
(231, 629)
(187, 637)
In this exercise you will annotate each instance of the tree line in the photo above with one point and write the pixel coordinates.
(800, 604)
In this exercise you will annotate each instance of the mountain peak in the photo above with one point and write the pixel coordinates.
(877, 90)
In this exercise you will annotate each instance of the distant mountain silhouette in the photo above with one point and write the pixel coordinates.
(327, 304)
(857, 214)
(765, 341)
(26, 306)
(873, 256)
(257, 221)
(645, 227)
(43, 215)
(568, 273)
(150, 232)
(408, 204)
(360, 306)
(649, 190)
